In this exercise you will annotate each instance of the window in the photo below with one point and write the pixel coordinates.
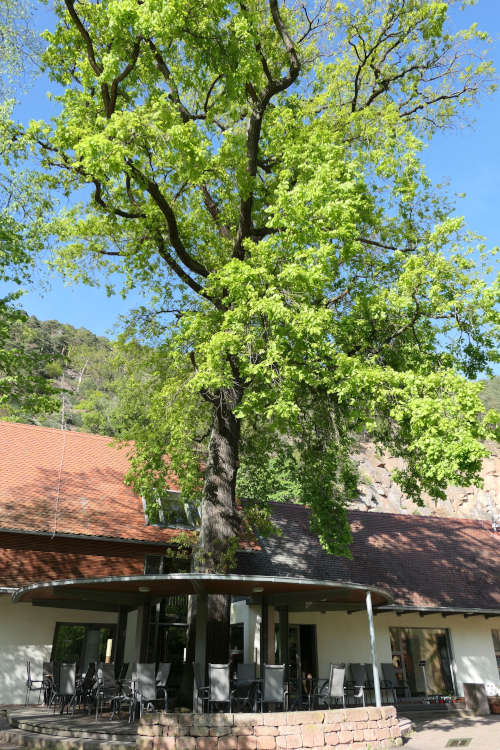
(496, 646)
(82, 643)
(170, 510)
(162, 564)
(421, 657)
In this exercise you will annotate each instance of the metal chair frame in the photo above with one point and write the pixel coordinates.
(144, 688)
(64, 686)
(390, 681)
(107, 689)
(32, 686)
(333, 688)
(359, 681)
(162, 676)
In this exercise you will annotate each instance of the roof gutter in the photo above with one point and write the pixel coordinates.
(62, 535)
(466, 611)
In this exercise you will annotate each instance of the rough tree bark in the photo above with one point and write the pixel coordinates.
(220, 522)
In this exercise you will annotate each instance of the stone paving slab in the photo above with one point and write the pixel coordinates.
(434, 733)
(79, 723)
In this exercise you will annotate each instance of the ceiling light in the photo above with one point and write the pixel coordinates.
(258, 589)
(144, 589)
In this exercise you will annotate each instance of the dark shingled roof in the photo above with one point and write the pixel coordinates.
(424, 562)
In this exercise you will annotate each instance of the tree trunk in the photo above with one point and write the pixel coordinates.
(220, 525)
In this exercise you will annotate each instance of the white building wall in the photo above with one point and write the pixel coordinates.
(26, 634)
(343, 638)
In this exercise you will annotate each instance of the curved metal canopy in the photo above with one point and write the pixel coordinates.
(132, 591)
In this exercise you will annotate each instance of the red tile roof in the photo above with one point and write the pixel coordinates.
(28, 558)
(68, 483)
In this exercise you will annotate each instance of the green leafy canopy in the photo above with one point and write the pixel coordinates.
(255, 169)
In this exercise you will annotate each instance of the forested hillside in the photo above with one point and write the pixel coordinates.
(80, 365)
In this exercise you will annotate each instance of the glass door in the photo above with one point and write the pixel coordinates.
(302, 658)
(167, 638)
(422, 659)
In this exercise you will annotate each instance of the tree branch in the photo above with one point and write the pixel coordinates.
(375, 243)
(185, 277)
(117, 211)
(96, 67)
(274, 86)
(173, 230)
(213, 210)
(125, 72)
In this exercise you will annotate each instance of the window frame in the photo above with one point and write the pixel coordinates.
(188, 511)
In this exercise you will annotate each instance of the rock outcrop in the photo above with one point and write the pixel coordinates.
(378, 492)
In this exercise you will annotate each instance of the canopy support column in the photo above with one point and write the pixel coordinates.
(283, 614)
(264, 629)
(200, 649)
(376, 679)
(121, 634)
(142, 633)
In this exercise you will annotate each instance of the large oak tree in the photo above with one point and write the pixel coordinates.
(255, 169)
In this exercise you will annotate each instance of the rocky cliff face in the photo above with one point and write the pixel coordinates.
(379, 493)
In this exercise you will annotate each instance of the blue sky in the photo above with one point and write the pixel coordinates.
(468, 158)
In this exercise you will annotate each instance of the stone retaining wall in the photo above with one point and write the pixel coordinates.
(342, 729)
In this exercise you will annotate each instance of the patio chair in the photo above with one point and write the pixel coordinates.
(391, 682)
(126, 689)
(245, 688)
(85, 690)
(48, 681)
(219, 685)
(144, 693)
(32, 685)
(246, 672)
(331, 690)
(359, 682)
(64, 690)
(162, 676)
(107, 689)
(273, 686)
(123, 671)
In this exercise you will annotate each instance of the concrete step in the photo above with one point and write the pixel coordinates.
(10, 737)
(43, 741)
(424, 713)
(87, 732)
(406, 726)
